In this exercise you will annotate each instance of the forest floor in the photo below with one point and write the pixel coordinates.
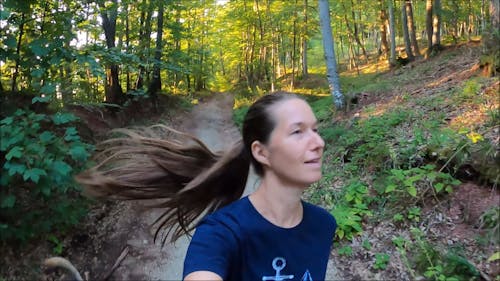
(114, 241)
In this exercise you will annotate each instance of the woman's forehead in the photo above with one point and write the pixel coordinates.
(293, 111)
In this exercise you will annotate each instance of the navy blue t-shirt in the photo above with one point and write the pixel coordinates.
(238, 243)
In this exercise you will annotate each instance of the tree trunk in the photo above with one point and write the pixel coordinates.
(13, 87)
(495, 14)
(411, 28)
(383, 29)
(145, 41)
(328, 46)
(429, 26)
(406, 34)
(155, 84)
(305, 70)
(112, 89)
(354, 32)
(392, 30)
(436, 35)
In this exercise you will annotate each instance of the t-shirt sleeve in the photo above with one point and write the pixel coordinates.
(212, 248)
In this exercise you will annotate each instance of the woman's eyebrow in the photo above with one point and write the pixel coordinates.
(300, 124)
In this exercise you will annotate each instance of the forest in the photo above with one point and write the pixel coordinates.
(406, 93)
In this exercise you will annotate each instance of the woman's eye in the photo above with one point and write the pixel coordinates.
(296, 132)
(315, 130)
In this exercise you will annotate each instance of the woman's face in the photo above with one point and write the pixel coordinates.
(295, 147)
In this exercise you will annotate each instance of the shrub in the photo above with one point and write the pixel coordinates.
(40, 154)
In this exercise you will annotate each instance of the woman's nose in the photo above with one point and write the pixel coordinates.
(317, 141)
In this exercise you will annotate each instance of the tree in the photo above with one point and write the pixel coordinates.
(411, 28)
(383, 28)
(328, 46)
(392, 30)
(155, 84)
(112, 89)
(406, 34)
(436, 35)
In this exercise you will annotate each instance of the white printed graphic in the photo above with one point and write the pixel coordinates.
(278, 264)
(307, 276)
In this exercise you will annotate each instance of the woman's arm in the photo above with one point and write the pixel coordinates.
(202, 275)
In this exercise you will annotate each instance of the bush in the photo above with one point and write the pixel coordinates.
(40, 154)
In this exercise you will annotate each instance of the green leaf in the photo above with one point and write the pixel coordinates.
(37, 73)
(494, 257)
(15, 168)
(4, 14)
(41, 99)
(34, 174)
(48, 88)
(78, 153)
(8, 202)
(62, 167)
(63, 118)
(390, 188)
(412, 191)
(46, 137)
(439, 186)
(7, 120)
(10, 42)
(39, 47)
(71, 134)
(15, 152)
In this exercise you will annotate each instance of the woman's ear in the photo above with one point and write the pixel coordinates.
(260, 153)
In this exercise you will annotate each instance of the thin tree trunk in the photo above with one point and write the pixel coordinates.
(495, 14)
(406, 34)
(354, 32)
(429, 26)
(145, 42)
(127, 41)
(329, 49)
(411, 28)
(155, 84)
(112, 88)
(13, 87)
(392, 30)
(305, 70)
(436, 35)
(383, 29)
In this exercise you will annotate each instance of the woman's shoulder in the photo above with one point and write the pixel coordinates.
(319, 214)
(229, 216)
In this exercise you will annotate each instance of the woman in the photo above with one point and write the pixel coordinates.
(269, 235)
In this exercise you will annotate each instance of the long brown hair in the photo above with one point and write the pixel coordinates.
(190, 180)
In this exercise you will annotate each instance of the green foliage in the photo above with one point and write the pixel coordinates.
(345, 251)
(368, 142)
(470, 92)
(437, 264)
(58, 245)
(414, 214)
(418, 182)
(366, 245)
(239, 115)
(381, 261)
(351, 209)
(322, 108)
(41, 154)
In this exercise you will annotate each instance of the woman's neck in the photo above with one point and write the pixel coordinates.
(279, 204)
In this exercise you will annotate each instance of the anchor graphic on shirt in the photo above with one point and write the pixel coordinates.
(278, 268)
